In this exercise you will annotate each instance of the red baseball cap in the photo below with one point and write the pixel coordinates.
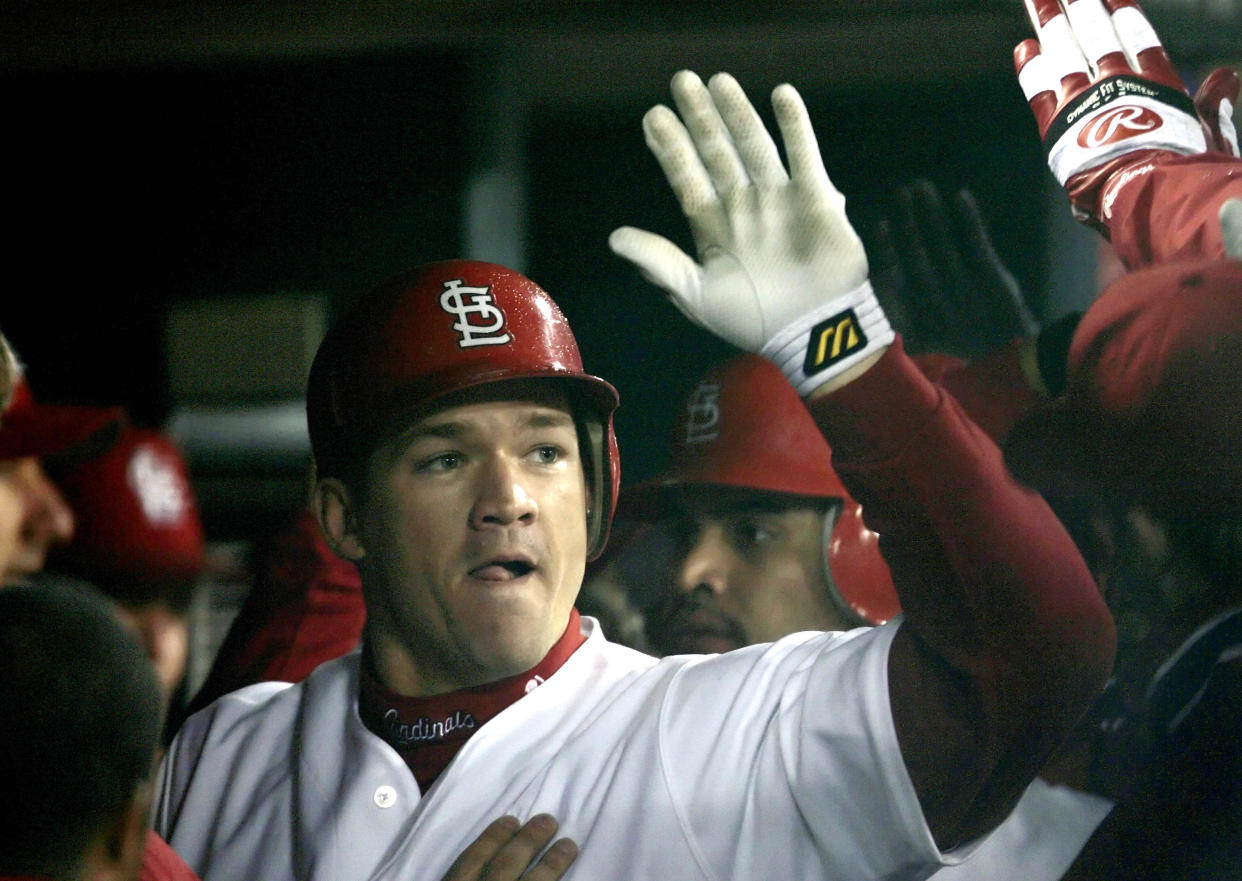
(137, 515)
(29, 428)
(1152, 412)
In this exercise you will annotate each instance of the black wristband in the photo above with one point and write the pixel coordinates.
(1105, 92)
(1052, 351)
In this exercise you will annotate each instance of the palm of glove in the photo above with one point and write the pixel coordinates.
(772, 246)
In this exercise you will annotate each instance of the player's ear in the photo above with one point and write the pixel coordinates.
(337, 514)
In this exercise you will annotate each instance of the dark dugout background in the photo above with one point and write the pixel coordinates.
(148, 165)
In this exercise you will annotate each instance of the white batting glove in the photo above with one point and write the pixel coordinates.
(780, 270)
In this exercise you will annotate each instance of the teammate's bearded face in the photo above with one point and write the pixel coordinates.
(474, 538)
(33, 517)
(744, 573)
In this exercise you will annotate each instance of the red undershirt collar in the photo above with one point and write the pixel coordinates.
(428, 731)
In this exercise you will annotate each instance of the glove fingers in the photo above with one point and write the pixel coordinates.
(806, 165)
(673, 148)
(1038, 82)
(1214, 102)
(889, 284)
(660, 261)
(716, 149)
(755, 146)
(1099, 41)
(937, 234)
(1005, 304)
(1068, 66)
(1142, 44)
(1231, 227)
(922, 285)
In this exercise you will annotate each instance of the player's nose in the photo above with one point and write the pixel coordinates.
(705, 563)
(48, 517)
(502, 496)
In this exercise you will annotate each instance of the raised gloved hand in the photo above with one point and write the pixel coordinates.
(936, 266)
(780, 271)
(1109, 103)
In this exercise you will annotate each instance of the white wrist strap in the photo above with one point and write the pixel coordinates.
(831, 339)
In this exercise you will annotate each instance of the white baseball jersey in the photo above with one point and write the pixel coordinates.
(1038, 841)
(773, 762)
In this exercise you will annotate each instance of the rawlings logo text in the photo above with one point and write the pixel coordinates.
(1118, 124)
(488, 321)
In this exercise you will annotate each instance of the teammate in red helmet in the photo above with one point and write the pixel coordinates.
(767, 541)
(467, 465)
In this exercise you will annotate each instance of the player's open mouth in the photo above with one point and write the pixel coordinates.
(503, 570)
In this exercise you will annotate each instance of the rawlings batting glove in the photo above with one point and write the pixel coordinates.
(1109, 103)
(780, 271)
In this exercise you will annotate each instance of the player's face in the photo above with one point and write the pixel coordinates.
(33, 517)
(165, 634)
(745, 573)
(474, 537)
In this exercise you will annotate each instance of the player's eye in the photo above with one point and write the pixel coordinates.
(547, 454)
(750, 532)
(440, 462)
(684, 532)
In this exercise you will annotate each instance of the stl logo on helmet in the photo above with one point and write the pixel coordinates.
(161, 492)
(703, 414)
(1117, 125)
(479, 320)
(832, 340)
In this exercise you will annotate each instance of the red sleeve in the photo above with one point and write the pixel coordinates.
(305, 608)
(1005, 640)
(993, 390)
(161, 863)
(1169, 210)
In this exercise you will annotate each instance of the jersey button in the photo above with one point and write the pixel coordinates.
(385, 796)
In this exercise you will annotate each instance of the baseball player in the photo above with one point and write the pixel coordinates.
(34, 516)
(139, 539)
(77, 738)
(1145, 440)
(468, 466)
(766, 540)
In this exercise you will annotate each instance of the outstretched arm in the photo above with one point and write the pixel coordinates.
(1006, 640)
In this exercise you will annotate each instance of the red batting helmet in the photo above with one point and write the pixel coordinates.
(441, 328)
(746, 427)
